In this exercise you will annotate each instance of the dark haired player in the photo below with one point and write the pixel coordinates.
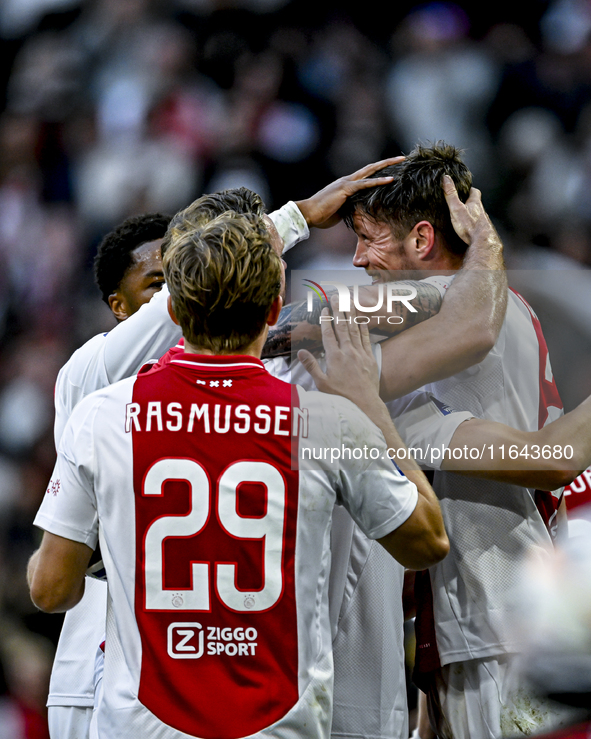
(465, 657)
(128, 264)
(128, 272)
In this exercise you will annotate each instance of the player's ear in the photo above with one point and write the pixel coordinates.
(171, 311)
(422, 239)
(273, 315)
(118, 306)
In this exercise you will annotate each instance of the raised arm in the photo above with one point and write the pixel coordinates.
(471, 315)
(322, 209)
(468, 319)
(298, 328)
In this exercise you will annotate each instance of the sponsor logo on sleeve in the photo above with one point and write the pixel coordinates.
(54, 487)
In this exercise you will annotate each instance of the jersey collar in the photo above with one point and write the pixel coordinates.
(214, 362)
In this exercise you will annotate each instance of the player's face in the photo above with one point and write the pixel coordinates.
(378, 249)
(141, 281)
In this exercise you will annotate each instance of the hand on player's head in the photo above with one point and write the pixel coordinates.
(322, 209)
(469, 218)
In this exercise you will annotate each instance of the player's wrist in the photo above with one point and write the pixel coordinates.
(305, 208)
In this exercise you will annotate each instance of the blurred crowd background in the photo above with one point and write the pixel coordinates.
(114, 107)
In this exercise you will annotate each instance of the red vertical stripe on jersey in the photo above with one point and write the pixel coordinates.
(427, 654)
(546, 503)
(216, 671)
(549, 395)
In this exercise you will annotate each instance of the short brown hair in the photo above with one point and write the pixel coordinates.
(416, 193)
(207, 207)
(223, 279)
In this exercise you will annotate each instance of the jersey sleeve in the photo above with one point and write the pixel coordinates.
(291, 225)
(441, 282)
(68, 508)
(147, 334)
(83, 373)
(426, 425)
(351, 450)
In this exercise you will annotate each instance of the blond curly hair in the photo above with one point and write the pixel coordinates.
(223, 279)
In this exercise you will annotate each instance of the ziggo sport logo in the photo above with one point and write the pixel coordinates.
(190, 640)
(385, 295)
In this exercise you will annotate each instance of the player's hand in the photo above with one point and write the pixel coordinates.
(469, 219)
(351, 369)
(321, 210)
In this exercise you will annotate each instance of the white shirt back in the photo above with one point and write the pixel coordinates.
(119, 450)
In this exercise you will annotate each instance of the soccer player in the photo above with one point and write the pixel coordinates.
(128, 273)
(464, 657)
(543, 473)
(218, 599)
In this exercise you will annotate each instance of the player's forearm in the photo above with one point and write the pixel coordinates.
(546, 459)
(427, 353)
(296, 329)
(475, 304)
(55, 573)
(458, 337)
(472, 314)
(570, 439)
(56, 600)
(31, 567)
(55, 596)
(421, 541)
(464, 330)
(395, 307)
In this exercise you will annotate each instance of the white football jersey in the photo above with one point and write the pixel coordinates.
(102, 360)
(110, 357)
(216, 549)
(105, 359)
(490, 525)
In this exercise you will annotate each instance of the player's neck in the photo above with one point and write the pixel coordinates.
(446, 260)
(252, 350)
